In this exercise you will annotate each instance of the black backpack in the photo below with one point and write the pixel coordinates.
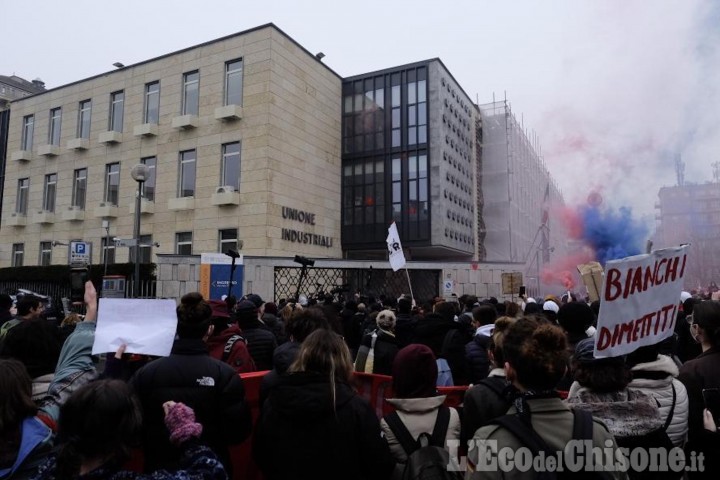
(427, 458)
(582, 430)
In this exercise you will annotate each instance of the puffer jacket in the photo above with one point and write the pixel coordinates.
(418, 415)
(627, 413)
(476, 355)
(283, 357)
(658, 380)
(484, 402)
(260, 341)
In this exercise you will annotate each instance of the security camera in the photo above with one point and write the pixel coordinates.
(304, 261)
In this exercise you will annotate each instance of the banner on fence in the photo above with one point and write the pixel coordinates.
(640, 301)
(215, 269)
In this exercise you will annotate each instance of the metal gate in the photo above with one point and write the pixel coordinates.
(344, 282)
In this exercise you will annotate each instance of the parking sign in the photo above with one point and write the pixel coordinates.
(80, 252)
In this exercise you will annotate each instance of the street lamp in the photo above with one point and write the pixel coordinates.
(139, 173)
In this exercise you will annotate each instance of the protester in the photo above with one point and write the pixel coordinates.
(418, 406)
(260, 340)
(313, 424)
(476, 350)
(655, 375)
(702, 373)
(273, 322)
(535, 360)
(490, 398)
(302, 323)
(6, 303)
(575, 318)
(352, 322)
(405, 322)
(383, 345)
(29, 307)
(227, 343)
(101, 423)
(189, 375)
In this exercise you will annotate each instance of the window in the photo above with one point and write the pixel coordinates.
(186, 179)
(54, 130)
(227, 239)
(395, 105)
(28, 132)
(79, 188)
(183, 243)
(230, 174)
(152, 103)
(417, 205)
(117, 106)
(364, 193)
(108, 250)
(146, 244)
(148, 186)
(84, 119)
(364, 115)
(45, 257)
(233, 82)
(397, 189)
(190, 98)
(21, 205)
(112, 183)
(18, 254)
(416, 107)
(49, 192)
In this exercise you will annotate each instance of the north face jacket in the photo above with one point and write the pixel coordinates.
(210, 387)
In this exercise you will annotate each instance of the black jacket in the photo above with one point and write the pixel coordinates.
(210, 387)
(405, 329)
(301, 435)
(260, 341)
(352, 323)
(483, 402)
(276, 326)
(386, 348)
(434, 331)
(283, 357)
(476, 355)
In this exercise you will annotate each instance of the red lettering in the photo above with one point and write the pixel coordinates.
(627, 330)
(671, 270)
(682, 269)
(628, 280)
(636, 285)
(613, 288)
(636, 333)
(659, 279)
(604, 338)
(649, 278)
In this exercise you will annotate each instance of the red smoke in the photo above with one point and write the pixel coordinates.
(561, 270)
(572, 220)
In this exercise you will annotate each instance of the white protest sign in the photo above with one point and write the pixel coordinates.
(397, 257)
(640, 301)
(146, 326)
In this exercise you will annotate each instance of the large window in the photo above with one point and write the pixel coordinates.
(18, 254)
(186, 179)
(418, 201)
(183, 243)
(108, 250)
(227, 239)
(28, 132)
(230, 174)
(112, 183)
(191, 94)
(49, 192)
(364, 115)
(54, 129)
(79, 188)
(364, 193)
(148, 186)
(233, 82)
(45, 257)
(395, 121)
(21, 205)
(152, 103)
(84, 112)
(117, 107)
(416, 107)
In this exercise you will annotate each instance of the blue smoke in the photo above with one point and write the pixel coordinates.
(613, 234)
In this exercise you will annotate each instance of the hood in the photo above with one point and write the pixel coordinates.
(304, 397)
(625, 413)
(189, 346)
(482, 340)
(417, 405)
(662, 364)
(222, 337)
(284, 355)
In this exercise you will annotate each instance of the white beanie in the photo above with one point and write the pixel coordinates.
(684, 296)
(552, 306)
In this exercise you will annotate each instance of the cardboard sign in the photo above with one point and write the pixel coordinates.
(511, 282)
(640, 300)
(592, 276)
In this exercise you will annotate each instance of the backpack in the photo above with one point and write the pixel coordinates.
(237, 354)
(582, 430)
(427, 458)
(445, 378)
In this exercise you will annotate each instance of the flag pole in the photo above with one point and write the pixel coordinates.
(412, 297)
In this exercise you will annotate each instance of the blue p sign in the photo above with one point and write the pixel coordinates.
(80, 248)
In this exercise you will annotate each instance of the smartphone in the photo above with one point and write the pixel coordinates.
(711, 397)
(78, 277)
(522, 290)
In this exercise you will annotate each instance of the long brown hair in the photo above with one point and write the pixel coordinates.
(15, 394)
(326, 353)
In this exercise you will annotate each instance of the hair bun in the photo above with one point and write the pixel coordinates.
(191, 299)
(550, 338)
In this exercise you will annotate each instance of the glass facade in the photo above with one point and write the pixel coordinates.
(385, 158)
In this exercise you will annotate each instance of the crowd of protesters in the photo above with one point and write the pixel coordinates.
(530, 374)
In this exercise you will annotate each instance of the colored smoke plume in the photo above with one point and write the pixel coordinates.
(562, 271)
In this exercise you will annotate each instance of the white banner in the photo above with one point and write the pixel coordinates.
(397, 257)
(640, 300)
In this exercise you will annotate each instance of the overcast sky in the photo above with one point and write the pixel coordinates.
(615, 89)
